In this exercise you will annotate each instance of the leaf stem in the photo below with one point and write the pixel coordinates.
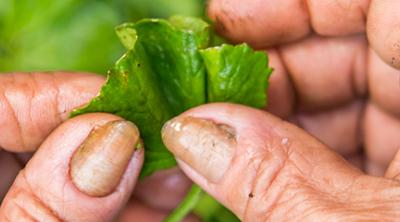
(186, 206)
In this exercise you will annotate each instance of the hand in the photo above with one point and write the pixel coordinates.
(329, 81)
(266, 169)
(56, 184)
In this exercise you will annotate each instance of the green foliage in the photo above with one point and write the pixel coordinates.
(73, 35)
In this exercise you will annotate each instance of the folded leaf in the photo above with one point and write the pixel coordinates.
(168, 69)
(175, 58)
(161, 75)
(132, 92)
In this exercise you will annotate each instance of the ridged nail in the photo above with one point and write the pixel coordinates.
(98, 164)
(207, 147)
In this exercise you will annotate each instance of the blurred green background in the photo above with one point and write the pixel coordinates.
(73, 35)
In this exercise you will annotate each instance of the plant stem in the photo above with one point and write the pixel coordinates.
(186, 206)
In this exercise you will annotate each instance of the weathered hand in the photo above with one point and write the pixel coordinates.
(266, 169)
(58, 184)
(328, 78)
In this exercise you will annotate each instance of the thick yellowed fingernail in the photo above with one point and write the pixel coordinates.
(204, 145)
(98, 164)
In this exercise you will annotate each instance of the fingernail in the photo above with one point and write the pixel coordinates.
(207, 147)
(98, 164)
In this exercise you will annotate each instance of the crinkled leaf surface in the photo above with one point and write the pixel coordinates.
(168, 69)
(236, 74)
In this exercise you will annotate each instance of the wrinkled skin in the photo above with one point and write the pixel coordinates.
(335, 85)
(328, 79)
(32, 105)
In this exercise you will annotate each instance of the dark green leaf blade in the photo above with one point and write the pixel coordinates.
(160, 76)
(131, 91)
(175, 60)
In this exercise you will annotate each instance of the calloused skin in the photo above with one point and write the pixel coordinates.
(328, 79)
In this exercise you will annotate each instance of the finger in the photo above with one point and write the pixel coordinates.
(9, 168)
(280, 88)
(339, 128)
(259, 166)
(381, 131)
(383, 30)
(84, 171)
(32, 105)
(383, 84)
(326, 72)
(256, 21)
(169, 186)
(264, 23)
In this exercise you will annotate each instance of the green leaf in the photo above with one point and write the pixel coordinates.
(132, 92)
(175, 58)
(236, 74)
(200, 28)
(160, 76)
(167, 69)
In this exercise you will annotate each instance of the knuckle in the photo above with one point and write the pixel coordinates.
(26, 105)
(22, 204)
(11, 138)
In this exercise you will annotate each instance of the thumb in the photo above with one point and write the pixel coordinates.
(84, 171)
(263, 168)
